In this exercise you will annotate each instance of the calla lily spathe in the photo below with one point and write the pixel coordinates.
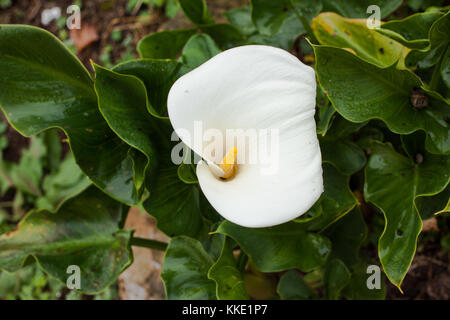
(258, 87)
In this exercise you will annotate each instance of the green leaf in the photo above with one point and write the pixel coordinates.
(26, 176)
(185, 271)
(196, 11)
(140, 163)
(358, 8)
(284, 38)
(325, 112)
(171, 8)
(347, 236)
(61, 185)
(335, 202)
(241, 19)
(208, 210)
(229, 281)
(333, 30)
(173, 203)
(428, 207)
(293, 287)
(357, 288)
(158, 77)
(259, 285)
(354, 87)
(125, 115)
(336, 277)
(336, 149)
(165, 44)
(53, 145)
(445, 68)
(439, 41)
(199, 49)
(212, 242)
(42, 85)
(122, 99)
(187, 174)
(393, 183)
(84, 232)
(225, 35)
(279, 248)
(268, 16)
(412, 31)
(343, 129)
(368, 134)
(432, 205)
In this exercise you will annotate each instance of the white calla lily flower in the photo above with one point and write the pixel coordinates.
(259, 88)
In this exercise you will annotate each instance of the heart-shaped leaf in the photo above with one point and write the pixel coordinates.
(196, 11)
(412, 31)
(357, 288)
(413, 145)
(173, 203)
(333, 30)
(292, 286)
(198, 50)
(284, 38)
(279, 248)
(324, 112)
(347, 235)
(393, 183)
(122, 99)
(225, 35)
(338, 150)
(186, 173)
(158, 77)
(84, 233)
(439, 41)
(228, 278)
(241, 19)
(27, 174)
(268, 16)
(42, 85)
(336, 277)
(165, 44)
(335, 202)
(354, 87)
(185, 271)
(62, 184)
(428, 207)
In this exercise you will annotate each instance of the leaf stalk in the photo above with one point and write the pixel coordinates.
(148, 243)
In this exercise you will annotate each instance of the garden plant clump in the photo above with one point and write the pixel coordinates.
(359, 106)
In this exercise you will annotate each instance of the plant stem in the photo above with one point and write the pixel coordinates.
(305, 24)
(147, 243)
